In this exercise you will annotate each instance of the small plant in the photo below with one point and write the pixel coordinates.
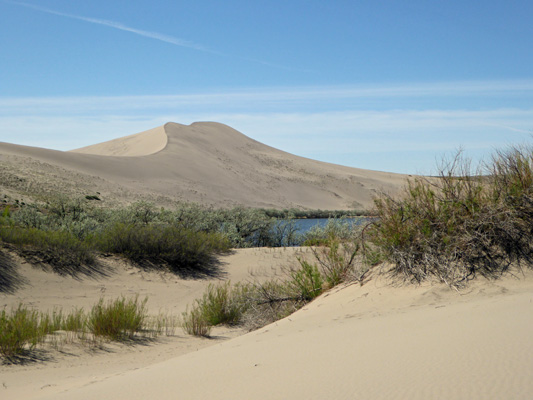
(20, 330)
(117, 320)
(194, 323)
(23, 329)
(305, 282)
(219, 305)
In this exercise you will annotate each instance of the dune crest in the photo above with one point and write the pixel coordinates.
(205, 162)
(140, 144)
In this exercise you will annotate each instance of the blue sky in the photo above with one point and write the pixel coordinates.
(384, 85)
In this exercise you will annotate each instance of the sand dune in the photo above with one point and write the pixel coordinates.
(205, 162)
(139, 144)
(376, 341)
(75, 365)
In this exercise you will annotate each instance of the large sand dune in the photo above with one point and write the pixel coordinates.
(205, 162)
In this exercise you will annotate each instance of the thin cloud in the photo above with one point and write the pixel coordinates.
(117, 25)
(287, 98)
(510, 128)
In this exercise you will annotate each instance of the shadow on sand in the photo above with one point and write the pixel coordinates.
(10, 279)
(207, 268)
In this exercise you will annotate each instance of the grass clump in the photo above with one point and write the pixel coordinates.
(194, 323)
(306, 282)
(220, 305)
(20, 330)
(257, 304)
(463, 222)
(117, 319)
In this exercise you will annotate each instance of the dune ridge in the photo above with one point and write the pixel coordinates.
(140, 144)
(205, 162)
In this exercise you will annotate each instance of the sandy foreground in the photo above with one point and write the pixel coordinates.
(376, 341)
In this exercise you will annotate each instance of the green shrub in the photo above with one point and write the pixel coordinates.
(305, 282)
(118, 319)
(57, 248)
(194, 323)
(181, 249)
(337, 261)
(461, 223)
(75, 321)
(20, 330)
(219, 305)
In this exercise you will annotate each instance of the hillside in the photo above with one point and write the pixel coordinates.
(205, 162)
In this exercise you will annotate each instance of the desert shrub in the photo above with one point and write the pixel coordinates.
(284, 233)
(181, 249)
(246, 227)
(257, 304)
(194, 323)
(20, 330)
(117, 319)
(219, 305)
(195, 217)
(30, 217)
(75, 321)
(61, 208)
(141, 212)
(337, 248)
(337, 261)
(250, 304)
(269, 301)
(462, 223)
(305, 282)
(57, 248)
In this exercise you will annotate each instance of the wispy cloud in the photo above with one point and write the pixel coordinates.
(441, 95)
(398, 128)
(117, 25)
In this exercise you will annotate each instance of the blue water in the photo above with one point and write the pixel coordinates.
(304, 225)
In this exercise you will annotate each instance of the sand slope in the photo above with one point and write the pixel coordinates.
(52, 371)
(370, 342)
(376, 341)
(205, 162)
(139, 144)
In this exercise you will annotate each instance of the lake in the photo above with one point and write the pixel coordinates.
(306, 224)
